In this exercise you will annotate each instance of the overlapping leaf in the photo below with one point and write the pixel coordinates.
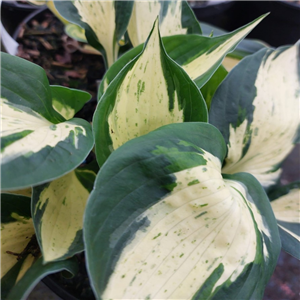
(257, 110)
(67, 102)
(37, 272)
(57, 210)
(200, 56)
(105, 22)
(38, 144)
(286, 207)
(151, 91)
(162, 223)
(17, 232)
(175, 17)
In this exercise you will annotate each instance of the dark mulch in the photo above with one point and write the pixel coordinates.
(43, 42)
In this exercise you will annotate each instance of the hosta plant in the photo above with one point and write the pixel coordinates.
(183, 200)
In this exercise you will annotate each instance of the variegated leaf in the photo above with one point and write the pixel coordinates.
(17, 232)
(37, 143)
(175, 17)
(105, 22)
(67, 102)
(75, 32)
(51, 6)
(257, 110)
(209, 89)
(37, 2)
(27, 192)
(286, 207)
(38, 271)
(151, 91)
(57, 209)
(200, 56)
(162, 223)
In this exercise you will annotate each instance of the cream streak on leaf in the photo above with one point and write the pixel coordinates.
(139, 26)
(14, 237)
(17, 119)
(142, 102)
(204, 62)
(64, 203)
(287, 207)
(275, 119)
(100, 16)
(202, 223)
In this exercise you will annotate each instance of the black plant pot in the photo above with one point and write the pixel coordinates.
(281, 27)
(214, 14)
(13, 13)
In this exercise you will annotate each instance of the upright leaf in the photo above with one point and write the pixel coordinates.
(257, 110)
(209, 89)
(37, 143)
(200, 56)
(162, 223)
(175, 17)
(151, 91)
(105, 22)
(57, 210)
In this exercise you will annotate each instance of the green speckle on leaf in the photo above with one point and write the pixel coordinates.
(170, 187)
(53, 127)
(157, 236)
(203, 213)
(181, 254)
(193, 182)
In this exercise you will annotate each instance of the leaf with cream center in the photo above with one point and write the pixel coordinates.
(151, 91)
(17, 232)
(200, 56)
(105, 22)
(33, 134)
(256, 108)
(57, 209)
(176, 17)
(162, 222)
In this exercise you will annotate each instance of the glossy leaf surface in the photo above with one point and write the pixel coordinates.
(57, 210)
(151, 91)
(162, 223)
(257, 110)
(37, 143)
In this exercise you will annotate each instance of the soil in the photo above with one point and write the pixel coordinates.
(43, 42)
